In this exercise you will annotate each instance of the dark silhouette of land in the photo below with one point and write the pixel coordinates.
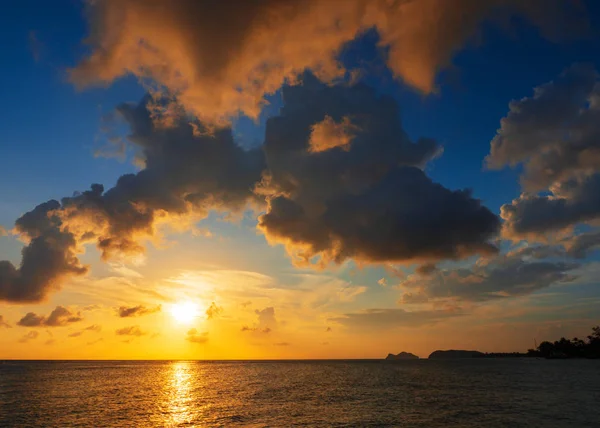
(563, 348)
(402, 356)
(452, 354)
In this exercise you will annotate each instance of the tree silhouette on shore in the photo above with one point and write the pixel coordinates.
(565, 348)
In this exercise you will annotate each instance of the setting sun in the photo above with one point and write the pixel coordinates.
(185, 312)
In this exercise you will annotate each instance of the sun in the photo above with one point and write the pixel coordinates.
(185, 312)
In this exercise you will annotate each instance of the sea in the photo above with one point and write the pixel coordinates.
(422, 393)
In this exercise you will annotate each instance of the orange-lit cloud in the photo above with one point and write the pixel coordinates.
(59, 317)
(195, 336)
(136, 311)
(221, 58)
(213, 311)
(329, 134)
(133, 330)
(3, 323)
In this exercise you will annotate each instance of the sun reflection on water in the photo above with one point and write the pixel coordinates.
(179, 394)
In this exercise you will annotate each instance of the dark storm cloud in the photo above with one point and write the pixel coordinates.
(555, 135)
(223, 57)
(136, 311)
(59, 317)
(370, 200)
(4, 323)
(426, 269)
(133, 330)
(390, 318)
(48, 258)
(505, 276)
(187, 173)
(196, 337)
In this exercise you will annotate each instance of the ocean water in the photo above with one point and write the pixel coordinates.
(462, 393)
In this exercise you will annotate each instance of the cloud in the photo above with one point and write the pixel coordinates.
(554, 133)
(504, 276)
(579, 246)
(390, 318)
(93, 342)
(265, 323)
(266, 317)
(414, 298)
(94, 328)
(48, 258)
(29, 336)
(213, 311)
(382, 282)
(133, 330)
(328, 134)
(136, 311)
(186, 174)
(426, 269)
(536, 217)
(371, 201)
(264, 330)
(59, 317)
(221, 61)
(555, 136)
(4, 323)
(282, 344)
(195, 337)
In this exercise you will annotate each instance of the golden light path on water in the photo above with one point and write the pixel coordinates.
(183, 402)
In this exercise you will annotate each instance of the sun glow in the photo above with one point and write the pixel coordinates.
(185, 312)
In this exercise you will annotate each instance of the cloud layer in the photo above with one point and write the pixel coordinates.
(555, 136)
(514, 274)
(220, 58)
(366, 198)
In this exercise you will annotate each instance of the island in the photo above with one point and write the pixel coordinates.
(401, 356)
(559, 349)
(454, 354)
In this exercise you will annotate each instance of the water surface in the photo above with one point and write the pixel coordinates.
(464, 393)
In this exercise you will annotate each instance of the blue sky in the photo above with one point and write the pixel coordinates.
(51, 131)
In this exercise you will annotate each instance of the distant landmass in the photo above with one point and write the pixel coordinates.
(560, 349)
(453, 354)
(402, 356)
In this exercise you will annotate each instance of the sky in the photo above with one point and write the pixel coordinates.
(301, 179)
